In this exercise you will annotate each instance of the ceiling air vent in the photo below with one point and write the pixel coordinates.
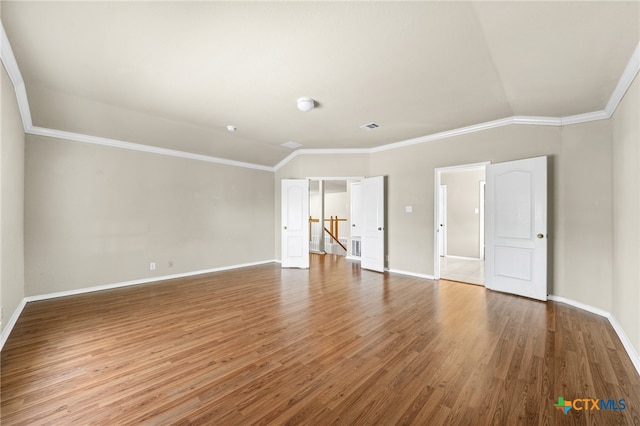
(370, 126)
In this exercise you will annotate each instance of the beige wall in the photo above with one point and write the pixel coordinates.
(11, 203)
(585, 221)
(463, 223)
(97, 215)
(410, 172)
(626, 214)
(580, 169)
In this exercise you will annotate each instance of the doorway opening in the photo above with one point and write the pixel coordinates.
(334, 216)
(329, 217)
(369, 206)
(459, 228)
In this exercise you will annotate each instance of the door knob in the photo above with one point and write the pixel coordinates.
(540, 236)
(353, 224)
(379, 229)
(285, 227)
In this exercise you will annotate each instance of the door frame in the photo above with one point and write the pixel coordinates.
(436, 204)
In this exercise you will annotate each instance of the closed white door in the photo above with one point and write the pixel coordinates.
(516, 227)
(372, 214)
(295, 223)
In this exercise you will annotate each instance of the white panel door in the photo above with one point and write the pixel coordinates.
(442, 221)
(516, 227)
(295, 223)
(356, 214)
(372, 214)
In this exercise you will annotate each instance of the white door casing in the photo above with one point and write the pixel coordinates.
(372, 216)
(516, 227)
(295, 223)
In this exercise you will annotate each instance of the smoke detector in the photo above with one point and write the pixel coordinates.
(306, 104)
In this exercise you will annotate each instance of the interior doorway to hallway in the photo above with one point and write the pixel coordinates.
(459, 227)
(329, 217)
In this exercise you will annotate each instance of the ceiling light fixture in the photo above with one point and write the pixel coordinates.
(306, 104)
(231, 128)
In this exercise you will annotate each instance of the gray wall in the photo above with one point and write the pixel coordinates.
(97, 215)
(11, 202)
(626, 214)
(463, 223)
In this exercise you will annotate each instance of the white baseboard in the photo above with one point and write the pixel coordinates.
(16, 314)
(11, 323)
(628, 346)
(411, 274)
(143, 281)
(462, 257)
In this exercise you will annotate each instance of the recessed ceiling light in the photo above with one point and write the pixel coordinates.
(231, 128)
(291, 145)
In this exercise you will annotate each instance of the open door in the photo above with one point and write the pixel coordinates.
(372, 214)
(442, 221)
(516, 227)
(295, 223)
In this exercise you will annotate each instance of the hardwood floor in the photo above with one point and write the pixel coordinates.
(329, 345)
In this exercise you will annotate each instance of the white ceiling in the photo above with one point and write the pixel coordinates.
(174, 74)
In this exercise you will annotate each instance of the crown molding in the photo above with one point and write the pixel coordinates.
(626, 79)
(319, 151)
(96, 140)
(8, 59)
(11, 65)
(584, 118)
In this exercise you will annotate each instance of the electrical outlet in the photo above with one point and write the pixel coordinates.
(152, 266)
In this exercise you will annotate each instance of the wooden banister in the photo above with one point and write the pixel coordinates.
(333, 228)
(335, 239)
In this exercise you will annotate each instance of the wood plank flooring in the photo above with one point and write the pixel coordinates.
(329, 345)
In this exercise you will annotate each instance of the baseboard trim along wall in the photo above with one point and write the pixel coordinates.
(16, 314)
(12, 322)
(411, 274)
(631, 351)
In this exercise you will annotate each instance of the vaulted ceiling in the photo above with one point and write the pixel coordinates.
(175, 74)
